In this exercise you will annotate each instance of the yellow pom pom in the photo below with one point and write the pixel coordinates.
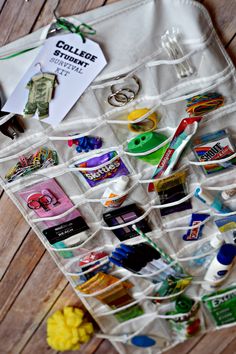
(88, 326)
(76, 347)
(79, 313)
(68, 311)
(85, 338)
(66, 329)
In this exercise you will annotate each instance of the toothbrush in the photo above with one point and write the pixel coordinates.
(184, 132)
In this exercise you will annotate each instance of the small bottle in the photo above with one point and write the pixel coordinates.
(211, 245)
(115, 190)
(213, 201)
(220, 266)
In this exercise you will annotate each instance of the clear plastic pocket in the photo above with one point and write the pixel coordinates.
(87, 107)
(173, 195)
(144, 333)
(47, 205)
(190, 230)
(116, 195)
(141, 117)
(170, 86)
(101, 167)
(213, 147)
(178, 109)
(29, 158)
(77, 140)
(196, 258)
(25, 130)
(125, 91)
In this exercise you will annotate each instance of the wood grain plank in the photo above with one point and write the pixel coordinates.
(106, 347)
(230, 349)
(34, 325)
(223, 15)
(38, 337)
(2, 2)
(185, 347)
(19, 271)
(66, 8)
(110, 1)
(231, 49)
(34, 301)
(70, 7)
(17, 18)
(215, 342)
(13, 229)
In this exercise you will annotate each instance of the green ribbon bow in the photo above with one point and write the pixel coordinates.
(83, 29)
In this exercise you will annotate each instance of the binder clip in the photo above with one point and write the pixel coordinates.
(11, 125)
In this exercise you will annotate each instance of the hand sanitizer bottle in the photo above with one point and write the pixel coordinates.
(113, 191)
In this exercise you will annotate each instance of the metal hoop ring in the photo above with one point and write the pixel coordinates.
(122, 92)
(119, 98)
(135, 78)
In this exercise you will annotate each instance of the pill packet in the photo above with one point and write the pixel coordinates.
(214, 146)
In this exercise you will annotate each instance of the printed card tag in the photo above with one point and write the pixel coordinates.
(73, 65)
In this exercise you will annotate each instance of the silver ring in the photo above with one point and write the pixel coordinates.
(119, 98)
(122, 96)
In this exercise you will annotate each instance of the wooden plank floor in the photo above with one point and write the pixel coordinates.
(31, 285)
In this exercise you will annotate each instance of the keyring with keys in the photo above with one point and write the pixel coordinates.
(120, 97)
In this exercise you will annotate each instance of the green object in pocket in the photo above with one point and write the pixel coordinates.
(145, 142)
(222, 305)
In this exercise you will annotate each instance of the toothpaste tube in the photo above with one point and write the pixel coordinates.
(195, 233)
(184, 132)
(111, 167)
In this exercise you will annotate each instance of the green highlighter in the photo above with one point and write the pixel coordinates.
(147, 141)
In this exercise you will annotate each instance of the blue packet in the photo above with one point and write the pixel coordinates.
(196, 233)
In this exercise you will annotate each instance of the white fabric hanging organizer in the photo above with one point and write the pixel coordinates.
(130, 35)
